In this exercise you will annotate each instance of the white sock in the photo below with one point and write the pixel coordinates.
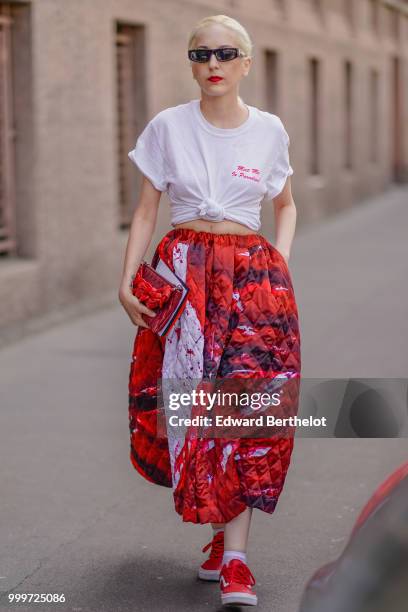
(233, 554)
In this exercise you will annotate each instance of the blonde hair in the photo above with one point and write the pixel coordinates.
(240, 32)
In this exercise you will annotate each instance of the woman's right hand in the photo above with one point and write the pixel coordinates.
(133, 306)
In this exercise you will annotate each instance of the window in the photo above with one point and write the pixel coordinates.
(271, 81)
(398, 122)
(131, 109)
(348, 115)
(7, 178)
(374, 15)
(279, 5)
(374, 118)
(314, 84)
(392, 18)
(320, 8)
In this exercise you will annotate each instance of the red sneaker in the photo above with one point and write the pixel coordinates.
(236, 581)
(210, 569)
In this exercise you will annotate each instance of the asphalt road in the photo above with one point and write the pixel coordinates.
(77, 519)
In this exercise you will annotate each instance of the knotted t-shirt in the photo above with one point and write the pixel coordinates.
(214, 173)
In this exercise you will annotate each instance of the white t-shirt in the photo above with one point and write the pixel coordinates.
(214, 173)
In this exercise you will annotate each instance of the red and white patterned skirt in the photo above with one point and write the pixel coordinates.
(240, 321)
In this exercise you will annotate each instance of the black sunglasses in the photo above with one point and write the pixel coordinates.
(223, 54)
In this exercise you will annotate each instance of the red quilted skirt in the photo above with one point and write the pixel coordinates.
(240, 321)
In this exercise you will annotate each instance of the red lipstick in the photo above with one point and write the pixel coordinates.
(215, 79)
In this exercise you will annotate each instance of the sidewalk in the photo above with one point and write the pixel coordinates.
(350, 277)
(77, 519)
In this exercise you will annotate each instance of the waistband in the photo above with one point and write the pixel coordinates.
(191, 235)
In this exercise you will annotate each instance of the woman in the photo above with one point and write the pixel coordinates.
(217, 158)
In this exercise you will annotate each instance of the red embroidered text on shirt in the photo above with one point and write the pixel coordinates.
(242, 170)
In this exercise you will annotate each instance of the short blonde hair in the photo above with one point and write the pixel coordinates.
(240, 32)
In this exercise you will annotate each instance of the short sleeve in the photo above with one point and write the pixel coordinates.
(281, 169)
(148, 157)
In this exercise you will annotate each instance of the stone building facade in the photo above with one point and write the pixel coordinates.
(80, 79)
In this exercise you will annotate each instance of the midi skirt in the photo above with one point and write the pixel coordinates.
(240, 320)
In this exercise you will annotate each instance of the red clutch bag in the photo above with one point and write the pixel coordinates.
(165, 297)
